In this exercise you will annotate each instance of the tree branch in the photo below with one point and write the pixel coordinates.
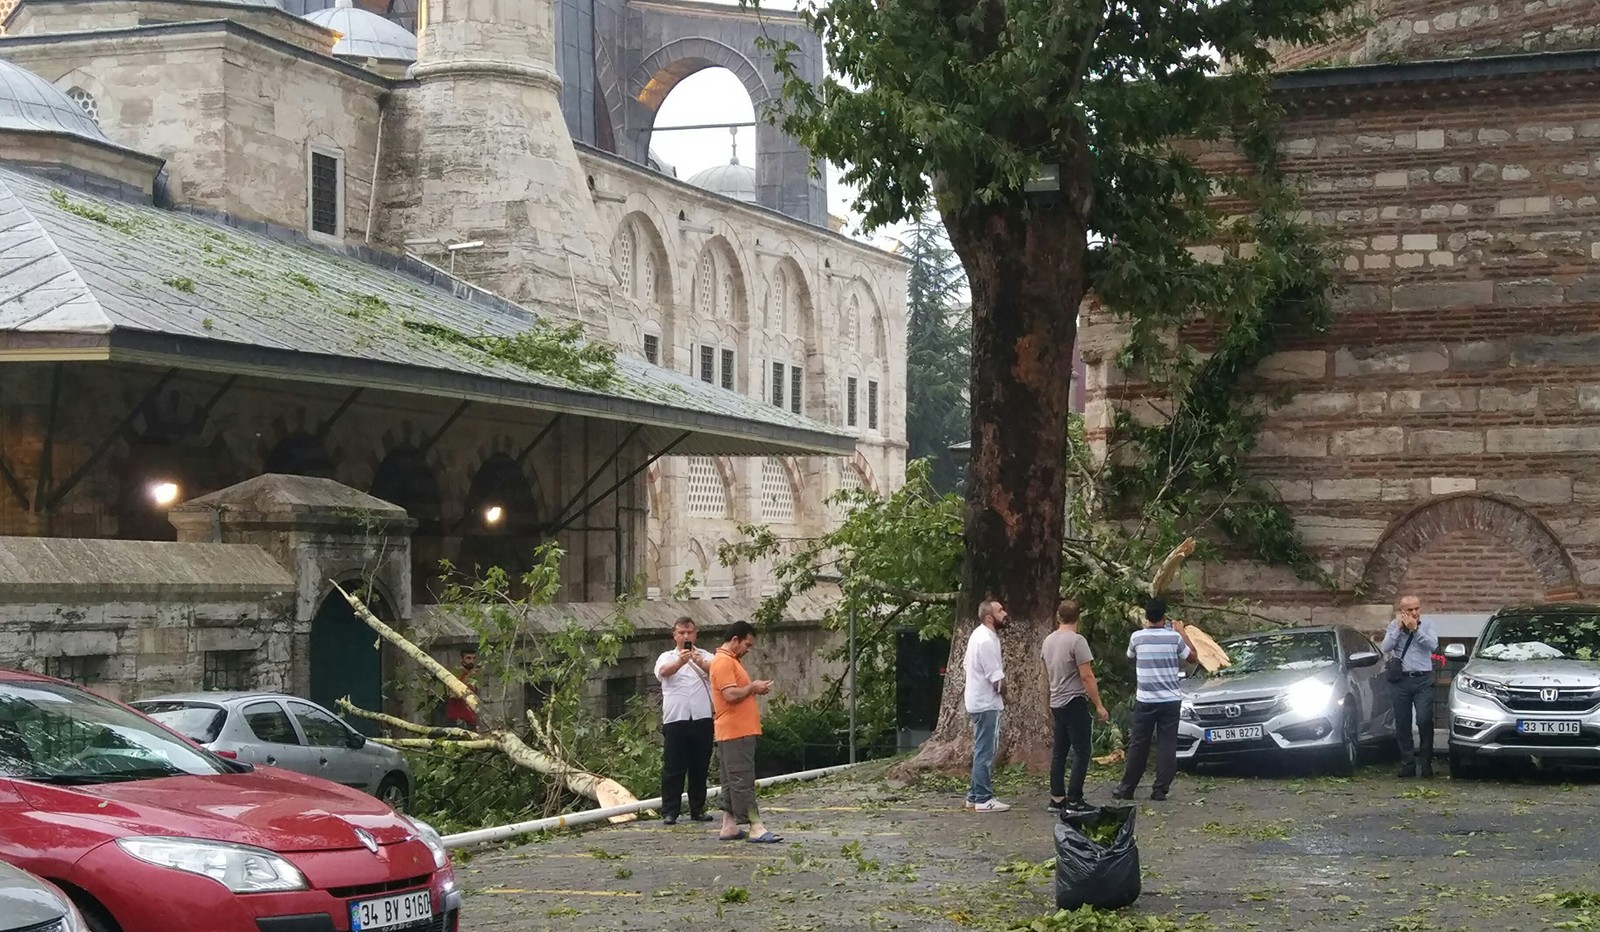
(400, 724)
(910, 595)
(476, 744)
(457, 688)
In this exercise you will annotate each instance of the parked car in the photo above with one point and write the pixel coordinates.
(28, 904)
(1531, 688)
(149, 832)
(1298, 691)
(283, 731)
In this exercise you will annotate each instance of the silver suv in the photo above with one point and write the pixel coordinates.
(28, 904)
(1532, 689)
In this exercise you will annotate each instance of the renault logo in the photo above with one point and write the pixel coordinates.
(1549, 695)
(1232, 710)
(366, 839)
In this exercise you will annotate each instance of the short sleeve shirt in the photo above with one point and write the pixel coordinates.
(733, 719)
(1063, 652)
(685, 696)
(1158, 655)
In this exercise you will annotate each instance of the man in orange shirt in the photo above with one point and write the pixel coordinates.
(737, 723)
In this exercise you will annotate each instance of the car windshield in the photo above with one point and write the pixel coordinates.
(201, 721)
(55, 733)
(1542, 637)
(1280, 650)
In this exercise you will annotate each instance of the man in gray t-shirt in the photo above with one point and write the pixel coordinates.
(1066, 658)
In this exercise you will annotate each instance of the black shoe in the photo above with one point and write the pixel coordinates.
(1120, 793)
(1158, 795)
(669, 820)
(1055, 807)
(1406, 771)
(1427, 770)
(1077, 805)
(699, 817)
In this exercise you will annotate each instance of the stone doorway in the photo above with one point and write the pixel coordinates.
(347, 659)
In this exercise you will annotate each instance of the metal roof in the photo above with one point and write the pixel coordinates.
(365, 35)
(83, 277)
(31, 104)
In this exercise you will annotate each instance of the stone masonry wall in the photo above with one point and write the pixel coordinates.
(1442, 436)
(1417, 30)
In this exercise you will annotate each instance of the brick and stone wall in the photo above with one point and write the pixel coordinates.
(1442, 436)
(1416, 30)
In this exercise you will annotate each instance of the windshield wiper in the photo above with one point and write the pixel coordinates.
(115, 776)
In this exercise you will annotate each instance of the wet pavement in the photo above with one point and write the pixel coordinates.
(1285, 852)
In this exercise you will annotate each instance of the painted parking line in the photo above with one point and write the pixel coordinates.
(509, 891)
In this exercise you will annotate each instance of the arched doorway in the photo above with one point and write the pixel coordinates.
(346, 657)
(501, 520)
(299, 454)
(404, 479)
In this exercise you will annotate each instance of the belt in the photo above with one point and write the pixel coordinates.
(1419, 673)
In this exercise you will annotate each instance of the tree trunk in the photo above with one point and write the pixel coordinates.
(1027, 279)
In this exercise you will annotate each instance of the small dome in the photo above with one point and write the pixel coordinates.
(31, 104)
(365, 35)
(731, 180)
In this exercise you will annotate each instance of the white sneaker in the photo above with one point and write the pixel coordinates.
(990, 805)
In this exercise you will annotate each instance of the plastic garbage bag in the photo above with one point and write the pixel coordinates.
(1097, 859)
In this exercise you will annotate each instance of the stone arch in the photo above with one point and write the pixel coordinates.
(639, 235)
(300, 453)
(663, 69)
(345, 660)
(404, 478)
(1473, 519)
(506, 539)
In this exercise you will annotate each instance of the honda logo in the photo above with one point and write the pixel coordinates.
(1549, 695)
(1232, 710)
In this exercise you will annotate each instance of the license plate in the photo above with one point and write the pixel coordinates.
(390, 912)
(1548, 728)
(1238, 733)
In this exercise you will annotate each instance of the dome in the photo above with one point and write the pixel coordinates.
(731, 180)
(30, 104)
(365, 35)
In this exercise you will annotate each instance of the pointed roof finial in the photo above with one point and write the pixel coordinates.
(733, 134)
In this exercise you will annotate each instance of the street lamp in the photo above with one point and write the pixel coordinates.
(164, 492)
(851, 650)
(1048, 181)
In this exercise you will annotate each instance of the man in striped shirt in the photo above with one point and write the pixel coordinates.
(1158, 654)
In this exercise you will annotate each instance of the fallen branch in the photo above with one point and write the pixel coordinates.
(451, 682)
(435, 744)
(910, 595)
(400, 724)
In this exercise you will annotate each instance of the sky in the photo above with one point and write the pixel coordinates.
(714, 95)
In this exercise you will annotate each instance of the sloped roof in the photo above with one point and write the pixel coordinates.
(88, 278)
(365, 35)
(29, 103)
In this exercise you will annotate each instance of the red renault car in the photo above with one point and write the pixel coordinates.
(148, 832)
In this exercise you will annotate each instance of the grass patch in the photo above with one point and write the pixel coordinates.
(91, 212)
(1260, 831)
(185, 285)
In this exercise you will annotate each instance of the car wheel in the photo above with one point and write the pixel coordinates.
(394, 793)
(1347, 758)
(1463, 766)
(94, 915)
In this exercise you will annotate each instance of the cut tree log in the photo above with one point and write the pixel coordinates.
(603, 790)
(1207, 651)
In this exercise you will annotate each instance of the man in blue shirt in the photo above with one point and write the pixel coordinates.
(1411, 641)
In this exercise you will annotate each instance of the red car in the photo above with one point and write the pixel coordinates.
(148, 832)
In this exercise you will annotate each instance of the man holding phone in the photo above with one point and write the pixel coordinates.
(686, 723)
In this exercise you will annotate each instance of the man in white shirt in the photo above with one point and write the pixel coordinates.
(686, 723)
(985, 699)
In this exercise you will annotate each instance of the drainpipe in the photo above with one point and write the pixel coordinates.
(377, 159)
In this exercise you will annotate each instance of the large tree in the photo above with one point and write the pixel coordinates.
(1043, 130)
(937, 360)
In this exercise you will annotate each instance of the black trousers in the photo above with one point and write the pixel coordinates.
(1073, 732)
(1158, 720)
(686, 754)
(1413, 703)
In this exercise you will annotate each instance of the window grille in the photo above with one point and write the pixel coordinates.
(708, 493)
(703, 284)
(620, 689)
(652, 349)
(625, 260)
(777, 493)
(850, 401)
(796, 374)
(777, 384)
(850, 477)
(78, 95)
(83, 670)
(324, 194)
(727, 369)
(872, 404)
(727, 297)
(227, 669)
(708, 364)
(647, 280)
(852, 323)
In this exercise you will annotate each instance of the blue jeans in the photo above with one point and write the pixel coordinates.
(985, 742)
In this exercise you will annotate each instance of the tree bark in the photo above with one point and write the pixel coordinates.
(1026, 270)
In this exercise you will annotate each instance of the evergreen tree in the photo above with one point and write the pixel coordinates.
(938, 356)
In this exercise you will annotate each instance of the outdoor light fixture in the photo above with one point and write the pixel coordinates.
(164, 493)
(493, 514)
(1048, 181)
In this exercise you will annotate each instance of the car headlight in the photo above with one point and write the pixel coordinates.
(434, 841)
(1186, 711)
(240, 868)
(1475, 686)
(1309, 696)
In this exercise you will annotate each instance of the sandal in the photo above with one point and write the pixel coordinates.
(742, 833)
(766, 838)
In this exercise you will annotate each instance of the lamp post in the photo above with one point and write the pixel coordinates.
(850, 649)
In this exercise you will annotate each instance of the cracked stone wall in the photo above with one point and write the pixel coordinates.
(1418, 30)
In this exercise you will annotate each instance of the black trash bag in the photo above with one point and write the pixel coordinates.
(1089, 873)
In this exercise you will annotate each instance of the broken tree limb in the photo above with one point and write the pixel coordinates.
(400, 724)
(437, 744)
(451, 682)
(1170, 566)
(911, 595)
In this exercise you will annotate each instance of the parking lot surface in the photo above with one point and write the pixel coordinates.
(1225, 852)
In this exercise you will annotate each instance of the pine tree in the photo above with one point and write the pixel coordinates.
(939, 357)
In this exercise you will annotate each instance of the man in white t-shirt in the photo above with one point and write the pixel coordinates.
(686, 723)
(985, 699)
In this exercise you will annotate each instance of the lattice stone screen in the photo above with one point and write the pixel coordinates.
(777, 492)
(708, 493)
(78, 95)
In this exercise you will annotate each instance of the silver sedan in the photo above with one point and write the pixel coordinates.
(28, 904)
(287, 732)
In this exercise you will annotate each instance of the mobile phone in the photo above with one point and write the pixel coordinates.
(689, 644)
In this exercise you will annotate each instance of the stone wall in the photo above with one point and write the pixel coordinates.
(1417, 30)
(1442, 436)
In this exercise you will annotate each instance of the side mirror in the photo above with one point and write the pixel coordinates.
(356, 741)
(1456, 651)
(1364, 658)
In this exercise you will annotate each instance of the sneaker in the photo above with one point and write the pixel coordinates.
(669, 820)
(1055, 807)
(990, 805)
(1406, 771)
(1158, 795)
(1077, 805)
(700, 817)
(1120, 793)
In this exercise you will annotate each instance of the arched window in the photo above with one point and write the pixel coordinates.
(778, 312)
(77, 94)
(777, 493)
(707, 490)
(717, 350)
(850, 330)
(626, 247)
(704, 282)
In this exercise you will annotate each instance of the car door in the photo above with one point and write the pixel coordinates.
(275, 742)
(329, 741)
(1371, 689)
